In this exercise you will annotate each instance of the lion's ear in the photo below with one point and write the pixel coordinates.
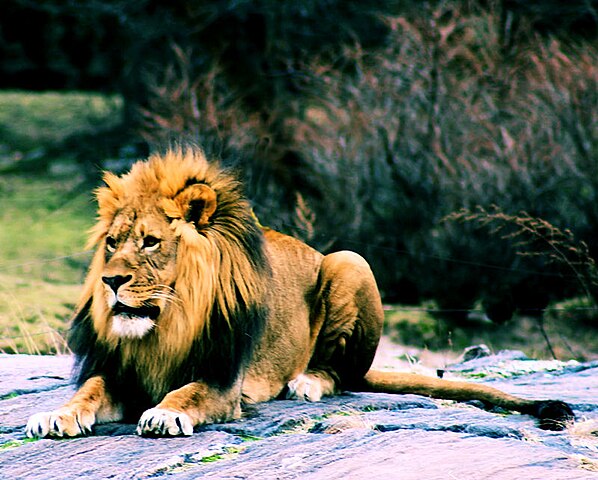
(197, 204)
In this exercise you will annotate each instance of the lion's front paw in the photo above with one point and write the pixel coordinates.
(160, 422)
(60, 423)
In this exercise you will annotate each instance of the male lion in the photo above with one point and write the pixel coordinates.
(190, 309)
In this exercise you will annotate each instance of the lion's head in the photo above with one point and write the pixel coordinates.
(176, 244)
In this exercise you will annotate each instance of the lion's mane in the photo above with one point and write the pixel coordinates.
(222, 272)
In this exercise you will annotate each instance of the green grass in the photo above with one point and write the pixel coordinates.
(566, 328)
(249, 438)
(16, 443)
(29, 121)
(43, 227)
(44, 219)
(229, 453)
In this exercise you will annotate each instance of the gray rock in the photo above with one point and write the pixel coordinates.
(476, 351)
(352, 436)
(29, 373)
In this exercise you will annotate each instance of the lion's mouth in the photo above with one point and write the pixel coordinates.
(133, 322)
(151, 312)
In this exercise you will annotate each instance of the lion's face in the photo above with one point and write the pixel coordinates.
(139, 270)
(176, 242)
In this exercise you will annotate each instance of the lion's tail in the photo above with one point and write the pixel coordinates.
(553, 414)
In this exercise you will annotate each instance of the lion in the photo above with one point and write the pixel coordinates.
(191, 310)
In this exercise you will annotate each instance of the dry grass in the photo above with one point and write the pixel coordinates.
(34, 315)
(533, 236)
(380, 145)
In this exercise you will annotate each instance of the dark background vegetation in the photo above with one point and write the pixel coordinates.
(359, 125)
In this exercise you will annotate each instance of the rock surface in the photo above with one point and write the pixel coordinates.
(352, 436)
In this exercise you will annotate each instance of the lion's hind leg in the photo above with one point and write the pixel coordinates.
(311, 386)
(91, 404)
(346, 324)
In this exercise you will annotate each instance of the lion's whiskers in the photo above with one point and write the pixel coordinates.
(166, 293)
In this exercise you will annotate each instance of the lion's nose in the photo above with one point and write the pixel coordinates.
(117, 281)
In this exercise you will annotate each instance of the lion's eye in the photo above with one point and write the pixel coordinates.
(110, 244)
(151, 243)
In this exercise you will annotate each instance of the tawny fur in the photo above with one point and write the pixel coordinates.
(245, 313)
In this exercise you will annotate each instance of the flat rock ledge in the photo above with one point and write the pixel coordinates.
(352, 436)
